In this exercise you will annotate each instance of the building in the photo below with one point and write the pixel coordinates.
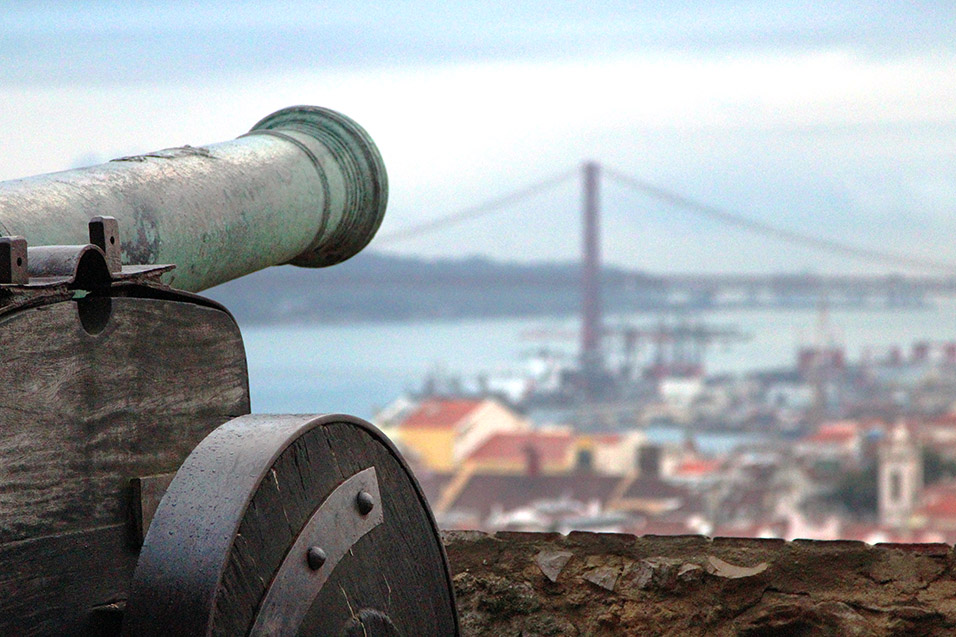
(442, 432)
(836, 444)
(530, 452)
(900, 476)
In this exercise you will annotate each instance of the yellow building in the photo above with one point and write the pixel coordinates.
(442, 432)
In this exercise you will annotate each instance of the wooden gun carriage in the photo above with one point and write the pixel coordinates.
(138, 495)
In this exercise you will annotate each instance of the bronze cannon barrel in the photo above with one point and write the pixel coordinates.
(305, 186)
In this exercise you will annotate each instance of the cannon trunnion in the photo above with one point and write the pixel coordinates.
(138, 496)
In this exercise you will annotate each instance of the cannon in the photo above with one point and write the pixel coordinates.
(138, 494)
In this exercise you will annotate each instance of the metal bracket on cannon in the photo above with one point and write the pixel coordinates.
(76, 267)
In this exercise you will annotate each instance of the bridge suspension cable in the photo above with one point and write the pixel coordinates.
(677, 200)
(790, 236)
(475, 212)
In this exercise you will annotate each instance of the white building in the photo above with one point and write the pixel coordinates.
(900, 476)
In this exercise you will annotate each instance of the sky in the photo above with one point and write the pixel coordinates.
(835, 119)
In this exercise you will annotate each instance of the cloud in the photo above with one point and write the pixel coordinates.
(839, 137)
(100, 42)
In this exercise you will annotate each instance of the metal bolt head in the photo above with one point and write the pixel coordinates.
(316, 557)
(365, 502)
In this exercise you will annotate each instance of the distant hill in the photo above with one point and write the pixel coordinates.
(377, 287)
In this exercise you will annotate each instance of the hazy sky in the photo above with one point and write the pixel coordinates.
(835, 118)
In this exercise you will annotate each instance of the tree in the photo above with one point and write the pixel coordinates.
(857, 491)
(936, 468)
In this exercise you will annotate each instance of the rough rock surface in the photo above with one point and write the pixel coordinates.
(526, 584)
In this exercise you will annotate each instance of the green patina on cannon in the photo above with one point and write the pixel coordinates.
(138, 496)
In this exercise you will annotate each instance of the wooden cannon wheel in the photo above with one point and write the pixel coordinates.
(292, 525)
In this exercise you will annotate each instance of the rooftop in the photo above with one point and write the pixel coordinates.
(552, 447)
(440, 413)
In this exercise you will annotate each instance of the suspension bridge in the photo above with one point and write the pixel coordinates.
(701, 291)
(914, 279)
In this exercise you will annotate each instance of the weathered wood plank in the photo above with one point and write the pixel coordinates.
(49, 586)
(147, 493)
(81, 414)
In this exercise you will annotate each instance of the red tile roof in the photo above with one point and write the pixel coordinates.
(693, 468)
(651, 488)
(509, 492)
(946, 488)
(939, 507)
(440, 413)
(834, 433)
(945, 420)
(607, 439)
(552, 447)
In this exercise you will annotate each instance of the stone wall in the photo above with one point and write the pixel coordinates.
(531, 584)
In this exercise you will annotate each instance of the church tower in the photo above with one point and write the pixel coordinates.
(900, 478)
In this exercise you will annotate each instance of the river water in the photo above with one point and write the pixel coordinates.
(359, 368)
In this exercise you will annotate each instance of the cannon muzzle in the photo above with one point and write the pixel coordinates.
(305, 186)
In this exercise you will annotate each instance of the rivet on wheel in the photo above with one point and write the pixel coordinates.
(316, 557)
(365, 502)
